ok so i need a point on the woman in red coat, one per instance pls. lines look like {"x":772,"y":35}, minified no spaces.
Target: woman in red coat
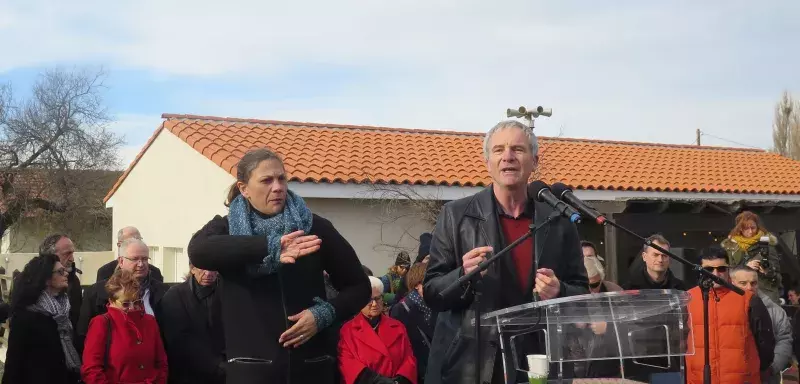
{"x":374,"y":348}
{"x":135,"y":354}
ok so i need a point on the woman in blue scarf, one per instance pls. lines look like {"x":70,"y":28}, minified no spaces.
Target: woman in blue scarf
{"x":271,"y":253}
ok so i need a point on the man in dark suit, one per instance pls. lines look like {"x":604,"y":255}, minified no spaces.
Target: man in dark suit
{"x":471,"y":229}
{"x":134,"y":256}
{"x":192,"y":327}
{"x":104,"y":272}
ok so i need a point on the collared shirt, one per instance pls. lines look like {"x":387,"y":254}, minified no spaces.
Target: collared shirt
{"x":501,"y":212}
{"x":513,"y":228}
{"x":148,"y":309}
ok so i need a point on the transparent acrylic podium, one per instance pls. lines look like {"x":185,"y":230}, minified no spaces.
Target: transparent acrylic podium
{"x":645,"y":328}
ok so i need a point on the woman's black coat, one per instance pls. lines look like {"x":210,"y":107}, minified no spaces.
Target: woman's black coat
{"x":34,"y":353}
{"x":255,"y":310}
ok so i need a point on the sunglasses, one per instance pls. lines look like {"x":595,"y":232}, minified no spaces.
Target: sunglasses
{"x":131,"y":304}
{"x":720,"y":269}
{"x":595,"y":285}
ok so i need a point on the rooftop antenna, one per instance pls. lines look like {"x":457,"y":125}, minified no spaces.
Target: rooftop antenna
{"x":529,"y":114}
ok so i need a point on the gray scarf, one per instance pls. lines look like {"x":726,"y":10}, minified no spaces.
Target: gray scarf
{"x":58,"y":308}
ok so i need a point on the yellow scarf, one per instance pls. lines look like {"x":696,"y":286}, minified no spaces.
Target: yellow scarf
{"x":746,"y":242}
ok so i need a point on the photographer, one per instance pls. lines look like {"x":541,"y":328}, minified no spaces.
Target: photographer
{"x":749,"y":243}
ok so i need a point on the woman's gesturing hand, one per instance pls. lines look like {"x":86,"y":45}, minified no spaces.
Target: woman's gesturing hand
{"x":304,"y":329}
{"x":295,"y":245}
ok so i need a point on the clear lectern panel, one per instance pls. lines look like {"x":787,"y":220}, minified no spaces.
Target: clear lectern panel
{"x":583,"y":330}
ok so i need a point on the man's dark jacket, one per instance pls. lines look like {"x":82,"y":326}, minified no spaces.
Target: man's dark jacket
{"x":639,"y":279}
{"x":193,"y":336}
{"x":642,"y":369}
{"x":75,"y":295}
{"x":473,"y":222}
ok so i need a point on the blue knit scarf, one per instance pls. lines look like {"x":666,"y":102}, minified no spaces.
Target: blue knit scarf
{"x":243,"y":220}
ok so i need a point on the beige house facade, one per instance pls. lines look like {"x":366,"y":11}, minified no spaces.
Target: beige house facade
{"x":173,"y":190}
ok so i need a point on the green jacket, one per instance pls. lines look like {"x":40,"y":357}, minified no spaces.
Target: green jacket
{"x":769,"y":282}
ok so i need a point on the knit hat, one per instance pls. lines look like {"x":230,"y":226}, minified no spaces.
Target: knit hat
{"x":403,"y":259}
{"x":424,"y":246}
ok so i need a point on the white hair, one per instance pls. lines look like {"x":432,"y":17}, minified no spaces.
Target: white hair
{"x":123,"y":248}
{"x":376,"y":283}
{"x":594,"y":267}
{"x":121,"y":231}
{"x":534,"y":142}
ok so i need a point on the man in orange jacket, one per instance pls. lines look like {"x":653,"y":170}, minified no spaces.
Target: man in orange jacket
{"x":741,"y":341}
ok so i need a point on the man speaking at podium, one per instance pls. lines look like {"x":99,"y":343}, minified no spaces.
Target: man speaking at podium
{"x":468,"y":231}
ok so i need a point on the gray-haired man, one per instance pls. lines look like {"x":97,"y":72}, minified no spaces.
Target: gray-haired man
{"x":746,"y":278}
{"x":123,"y":234}
{"x":134,"y":256}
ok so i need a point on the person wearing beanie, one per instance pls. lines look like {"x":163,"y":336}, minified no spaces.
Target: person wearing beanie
{"x":393,"y":279}
{"x":423,"y":255}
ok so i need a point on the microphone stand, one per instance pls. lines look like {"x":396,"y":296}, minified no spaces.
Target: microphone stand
{"x":474,"y":277}
{"x":706,"y":279}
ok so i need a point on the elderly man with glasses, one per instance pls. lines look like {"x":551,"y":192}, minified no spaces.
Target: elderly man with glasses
{"x":134,"y":256}
{"x":108,"y":269}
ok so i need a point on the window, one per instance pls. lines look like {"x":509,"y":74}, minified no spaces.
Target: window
{"x":155,"y":256}
{"x":172,"y":256}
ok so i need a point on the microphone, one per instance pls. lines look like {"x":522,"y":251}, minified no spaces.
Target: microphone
{"x":565,"y":193}
{"x":541,"y":192}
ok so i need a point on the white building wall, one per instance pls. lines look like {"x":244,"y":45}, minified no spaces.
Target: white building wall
{"x":376,"y":238}
{"x":171,"y":193}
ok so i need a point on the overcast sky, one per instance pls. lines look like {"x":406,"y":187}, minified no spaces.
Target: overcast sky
{"x":621,"y":70}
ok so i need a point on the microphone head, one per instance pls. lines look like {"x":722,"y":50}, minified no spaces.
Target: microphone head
{"x":559,"y":189}
{"x":535,"y":189}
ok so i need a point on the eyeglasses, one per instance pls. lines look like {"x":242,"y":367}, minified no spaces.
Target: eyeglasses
{"x":720,"y":269}
{"x":131,"y":304}
{"x":377,"y":300}
{"x":144,"y":260}
{"x":595,"y":285}
{"x":61,"y":271}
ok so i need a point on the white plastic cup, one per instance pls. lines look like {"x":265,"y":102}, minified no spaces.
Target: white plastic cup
{"x":538,"y":365}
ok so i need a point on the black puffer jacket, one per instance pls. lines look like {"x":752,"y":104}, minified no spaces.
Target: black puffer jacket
{"x":255,"y":309}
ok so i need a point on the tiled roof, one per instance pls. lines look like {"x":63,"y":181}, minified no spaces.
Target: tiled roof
{"x":330,"y":153}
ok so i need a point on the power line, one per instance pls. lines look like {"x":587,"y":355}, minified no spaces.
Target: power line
{"x":727,"y":140}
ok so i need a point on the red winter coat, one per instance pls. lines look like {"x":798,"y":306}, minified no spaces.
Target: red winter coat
{"x":136,"y":354}
{"x":387,"y":352}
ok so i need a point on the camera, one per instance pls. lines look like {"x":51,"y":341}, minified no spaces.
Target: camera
{"x":762,"y":251}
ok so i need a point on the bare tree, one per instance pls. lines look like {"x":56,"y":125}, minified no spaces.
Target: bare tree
{"x":404,"y":207}
{"x":52,"y":146}
{"x":786,"y":127}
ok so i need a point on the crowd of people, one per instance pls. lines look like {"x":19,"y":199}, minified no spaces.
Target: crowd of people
{"x":751,"y":337}
{"x":276,"y":294}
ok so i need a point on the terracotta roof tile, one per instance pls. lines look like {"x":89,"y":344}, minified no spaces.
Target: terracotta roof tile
{"x":331,"y":153}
